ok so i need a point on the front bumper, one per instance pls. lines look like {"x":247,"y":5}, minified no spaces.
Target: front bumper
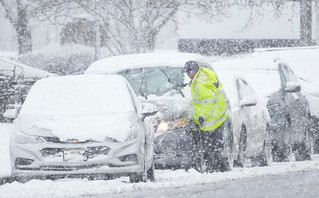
{"x":172,"y":149}
{"x":49,"y":159}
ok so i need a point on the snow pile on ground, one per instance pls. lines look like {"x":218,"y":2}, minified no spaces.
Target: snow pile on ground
{"x":165,"y":180}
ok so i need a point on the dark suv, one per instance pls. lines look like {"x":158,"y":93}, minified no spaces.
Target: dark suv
{"x":289,"y":113}
{"x":274,"y":82}
{"x":158,"y":79}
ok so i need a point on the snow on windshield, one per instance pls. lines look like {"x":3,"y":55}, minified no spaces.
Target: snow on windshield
{"x":154,"y":81}
{"x":84,"y":95}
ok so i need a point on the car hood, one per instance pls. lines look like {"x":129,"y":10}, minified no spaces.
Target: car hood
{"x":98,"y":128}
{"x":172,"y":107}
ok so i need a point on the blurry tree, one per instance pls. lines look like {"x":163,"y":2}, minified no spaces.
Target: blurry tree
{"x":18,"y":13}
{"x":132,"y":25}
{"x":81,"y":31}
{"x":306,"y":22}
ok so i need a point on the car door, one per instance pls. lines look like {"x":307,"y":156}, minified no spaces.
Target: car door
{"x":253,"y":117}
{"x":296,"y":105}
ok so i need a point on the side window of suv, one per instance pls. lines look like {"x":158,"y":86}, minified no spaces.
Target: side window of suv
{"x":244,"y":89}
{"x":286,"y":74}
{"x":282,"y":74}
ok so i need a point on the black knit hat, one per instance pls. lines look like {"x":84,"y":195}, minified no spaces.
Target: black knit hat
{"x":191,"y":67}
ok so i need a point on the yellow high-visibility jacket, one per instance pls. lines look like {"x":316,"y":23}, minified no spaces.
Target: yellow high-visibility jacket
{"x":208,"y":99}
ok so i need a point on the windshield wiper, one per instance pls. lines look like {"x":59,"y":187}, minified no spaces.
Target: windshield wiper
{"x":177,"y":86}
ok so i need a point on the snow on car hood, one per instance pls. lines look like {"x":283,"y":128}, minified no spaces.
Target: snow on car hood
{"x":171,"y":107}
{"x":116,"y":126}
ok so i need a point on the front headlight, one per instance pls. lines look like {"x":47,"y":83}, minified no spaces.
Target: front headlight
{"x":22,"y":138}
{"x":165,"y":126}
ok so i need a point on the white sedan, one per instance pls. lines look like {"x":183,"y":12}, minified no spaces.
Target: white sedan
{"x":250,"y":120}
{"x":83,"y":126}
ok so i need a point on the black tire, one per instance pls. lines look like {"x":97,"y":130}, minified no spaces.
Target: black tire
{"x":137,"y":177}
{"x":242,"y":147}
{"x":283,"y":154}
{"x":304,"y":150}
{"x":265,"y":157}
{"x":225,"y":161}
{"x":150,"y":174}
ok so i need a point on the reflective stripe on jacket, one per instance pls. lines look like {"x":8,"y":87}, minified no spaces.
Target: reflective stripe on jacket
{"x":208,"y":99}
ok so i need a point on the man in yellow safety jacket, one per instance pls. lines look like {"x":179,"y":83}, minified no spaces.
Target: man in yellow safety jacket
{"x":210,"y":112}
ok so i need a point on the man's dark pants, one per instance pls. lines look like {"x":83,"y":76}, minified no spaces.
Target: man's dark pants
{"x":212,"y":148}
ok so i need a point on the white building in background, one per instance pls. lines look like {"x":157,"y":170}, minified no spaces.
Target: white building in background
{"x":287,"y":26}
{"x":188,"y":27}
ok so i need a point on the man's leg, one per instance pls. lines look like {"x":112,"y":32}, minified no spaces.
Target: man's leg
{"x":214,"y":148}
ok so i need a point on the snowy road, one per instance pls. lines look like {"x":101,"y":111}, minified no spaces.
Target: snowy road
{"x":293,"y":185}
{"x":179,"y":183}
{"x":292,"y":178}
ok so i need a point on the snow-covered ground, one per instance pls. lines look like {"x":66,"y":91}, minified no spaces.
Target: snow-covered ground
{"x":165,"y":179}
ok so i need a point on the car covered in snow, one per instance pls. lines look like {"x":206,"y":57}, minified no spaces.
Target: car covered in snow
{"x":157,"y":78}
{"x":250,"y":120}
{"x":274,"y":80}
{"x":15,"y":82}
{"x":83,"y":126}
{"x":304,"y":62}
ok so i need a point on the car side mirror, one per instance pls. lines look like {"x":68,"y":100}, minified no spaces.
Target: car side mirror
{"x":248,"y":101}
{"x":148,"y":110}
{"x":11,"y":114}
{"x":292,"y":87}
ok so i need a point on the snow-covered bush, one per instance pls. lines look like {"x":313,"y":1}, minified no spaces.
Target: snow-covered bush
{"x":61,"y":60}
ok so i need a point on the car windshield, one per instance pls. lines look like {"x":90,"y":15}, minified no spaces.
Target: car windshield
{"x":78,"y":96}
{"x":154,"y":81}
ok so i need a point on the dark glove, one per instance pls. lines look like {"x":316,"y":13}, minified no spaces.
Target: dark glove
{"x":201,"y":120}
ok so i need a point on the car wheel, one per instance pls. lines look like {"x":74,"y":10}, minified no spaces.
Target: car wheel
{"x":226,"y":162}
{"x":150,"y":174}
{"x":23,"y":180}
{"x":265,"y":157}
{"x":137,"y":177}
{"x":240,"y":162}
{"x":284,"y":153}
{"x":304,"y":150}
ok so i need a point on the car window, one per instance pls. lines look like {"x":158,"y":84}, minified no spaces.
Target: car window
{"x":286,"y":74}
{"x":135,"y":78}
{"x":154,"y":81}
{"x":290,"y":75}
{"x":244,"y":89}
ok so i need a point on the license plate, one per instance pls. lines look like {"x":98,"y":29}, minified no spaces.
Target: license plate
{"x":74,"y":155}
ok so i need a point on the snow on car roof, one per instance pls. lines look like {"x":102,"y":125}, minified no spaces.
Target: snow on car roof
{"x":83,"y":107}
{"x":114,"y":64}
{"x":304,"y":63}
{"x":7,"y":67}
{"x":262,"y":75}
{"x":302,"y":60}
